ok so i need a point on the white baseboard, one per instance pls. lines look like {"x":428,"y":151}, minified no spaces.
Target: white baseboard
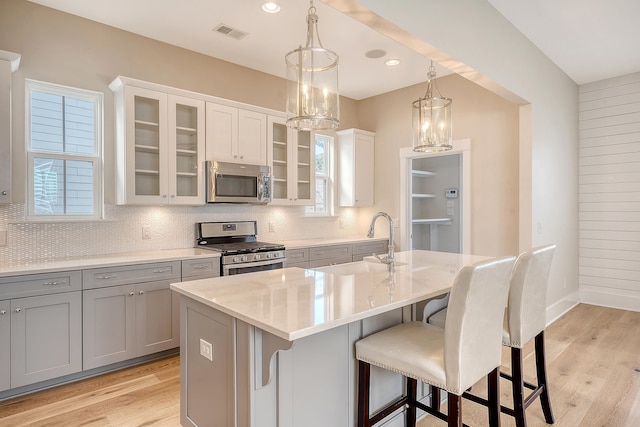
{"x":609,"y":297}
{"x":555,"y":311}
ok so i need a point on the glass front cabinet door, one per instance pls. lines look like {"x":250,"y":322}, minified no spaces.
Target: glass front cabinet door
{"x":291,"y":160}
{"x":159,"y":148}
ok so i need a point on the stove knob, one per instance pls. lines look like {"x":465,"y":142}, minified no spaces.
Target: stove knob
{"x":257,"y":257}
{"x":236,"y":258}
{"x":268,"y":256}
{"x":244,"y":257}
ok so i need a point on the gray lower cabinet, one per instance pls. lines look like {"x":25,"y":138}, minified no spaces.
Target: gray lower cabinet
{"x":297,"y":258}
{"x":40,"y":327}
{"x":193,"y":269}
{"x":364,"y":249}
{"x":5,"y":348}
{"x":46,"y":333}
{"x":321,"y":256}
{"x":129,"y":319}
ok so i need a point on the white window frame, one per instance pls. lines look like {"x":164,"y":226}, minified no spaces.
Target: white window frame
{"x":96,"y":158}
{"x":329,"y":177}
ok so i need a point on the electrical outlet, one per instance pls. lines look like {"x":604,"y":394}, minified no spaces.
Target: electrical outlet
{"x":3,"y":237}
{"x":395,"y":222}
{"x":206,"y":349}
{"x":146,"y":232}
{"x":272,"y":227}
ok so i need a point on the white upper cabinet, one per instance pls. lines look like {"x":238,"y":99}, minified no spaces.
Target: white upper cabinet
{"x":9,"y":63}
{"x":356,"y":167}
{"x":160,"y":147}
{"x":236,"y":135}
{"x":291,"y":161}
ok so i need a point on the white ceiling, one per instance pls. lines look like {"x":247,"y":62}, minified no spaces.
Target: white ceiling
{"x":589,"y":39}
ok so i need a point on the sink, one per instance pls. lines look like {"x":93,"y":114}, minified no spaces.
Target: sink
{"x":358,"y":267}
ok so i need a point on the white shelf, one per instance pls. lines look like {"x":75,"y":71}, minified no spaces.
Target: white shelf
{"x":186,"y":174}
{"x":284,"y":144}
{"x":183,"y":152}
{"x":303,"y":147}
{"x":417,"y":172}
{"x":423,"y":196}
{"x":146,"y":148}
{"x":429,"y":221}
{"x":280,"y":162}
{"x":147,"y":172}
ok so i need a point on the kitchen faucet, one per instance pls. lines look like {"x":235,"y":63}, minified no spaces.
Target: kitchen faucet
{"x":390,"y":259}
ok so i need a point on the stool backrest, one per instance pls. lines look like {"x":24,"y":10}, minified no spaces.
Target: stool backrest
{"x":473,"y":330}
{"x":527,"y":309}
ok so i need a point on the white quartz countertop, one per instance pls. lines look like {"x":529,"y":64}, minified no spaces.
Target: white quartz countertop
{"x":99,"y":261}
{"x":293,"y":303}
{"x":309,"y":243}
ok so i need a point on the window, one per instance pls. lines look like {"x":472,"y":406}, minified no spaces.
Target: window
{"x":324,"y":176}
{"x":64,"y":140}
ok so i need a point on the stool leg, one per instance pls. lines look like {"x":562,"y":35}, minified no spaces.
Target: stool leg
{"x":364,"y":378}
{"x":493,"y":385}
{"x":541,"y":371}
{"x":435,"y":398}
{"x":412,"y":391}
{"x":517,"y":385}
{"x":454,"y":415}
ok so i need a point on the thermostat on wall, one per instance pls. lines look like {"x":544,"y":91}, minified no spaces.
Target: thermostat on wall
{"x":451,"y":193}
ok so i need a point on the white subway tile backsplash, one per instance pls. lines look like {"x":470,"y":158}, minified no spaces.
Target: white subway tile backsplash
{"x":170,"y":228}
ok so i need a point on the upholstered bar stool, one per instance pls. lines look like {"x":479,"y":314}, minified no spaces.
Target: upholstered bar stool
{"x":524,"y":320}
{"x":453,"y":358}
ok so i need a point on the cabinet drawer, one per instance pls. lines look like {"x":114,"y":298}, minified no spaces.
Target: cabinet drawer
{"x":201,"y":268}
{"x":40,"y":284}
{"x":331,"y":261}
{"x":369,"y":248}
{"x":295,"y":256}
{"x":326,"y":252}
{"x":139,"y":273}
{"x":304,"y":264}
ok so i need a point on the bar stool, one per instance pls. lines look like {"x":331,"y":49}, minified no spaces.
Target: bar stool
{"x":525,"y":319}
{"x":453,"y":358}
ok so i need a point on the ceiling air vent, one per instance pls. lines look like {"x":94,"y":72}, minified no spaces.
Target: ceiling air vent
{"x":228,"y":31}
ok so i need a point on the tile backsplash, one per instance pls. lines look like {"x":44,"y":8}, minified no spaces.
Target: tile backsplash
{"x":170,"y":228}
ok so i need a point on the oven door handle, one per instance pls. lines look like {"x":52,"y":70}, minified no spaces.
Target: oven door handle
{"x":228,"y":267}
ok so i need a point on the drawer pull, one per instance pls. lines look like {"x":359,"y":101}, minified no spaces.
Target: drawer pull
{"x":54,"y":283}
{"x":18,"y":310}
{"x":108,"y":276}
{"x":3,"y":312}
{"x":199,"y":267}
{"x":163,"y":270}
{"x":320,"y":252}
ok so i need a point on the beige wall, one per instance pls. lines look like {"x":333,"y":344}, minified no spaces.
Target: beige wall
{"x":489,"y":121}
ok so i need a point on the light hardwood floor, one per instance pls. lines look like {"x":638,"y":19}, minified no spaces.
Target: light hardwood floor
{"x":593,"y":356}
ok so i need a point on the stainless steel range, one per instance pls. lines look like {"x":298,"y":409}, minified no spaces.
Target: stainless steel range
{"x":240,"y":251}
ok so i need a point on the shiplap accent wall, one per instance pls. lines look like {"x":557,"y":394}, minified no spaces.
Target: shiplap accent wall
{"x":609,"y":192}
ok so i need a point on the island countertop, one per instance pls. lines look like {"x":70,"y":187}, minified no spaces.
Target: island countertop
{"x":294,"y":303}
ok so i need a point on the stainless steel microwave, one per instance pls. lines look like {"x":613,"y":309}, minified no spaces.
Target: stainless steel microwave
{"x":237,"y":183}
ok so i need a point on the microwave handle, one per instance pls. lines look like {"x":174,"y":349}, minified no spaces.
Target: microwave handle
{"x":260,"y":187}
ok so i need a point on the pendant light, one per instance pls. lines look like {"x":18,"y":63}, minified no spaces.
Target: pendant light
{"x":312,"y":82}
{"x":432,"y":119}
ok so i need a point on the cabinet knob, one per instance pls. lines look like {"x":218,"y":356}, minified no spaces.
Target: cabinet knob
{"x":131,"y":294}
{"x":173,"y":196}
{"x":164,"y":196}
{"x":141,"y":293}
{"x":4,"y":192}
{"x":242,"y":157}
{"x":18,"y":310}
{"x":3,"y":312}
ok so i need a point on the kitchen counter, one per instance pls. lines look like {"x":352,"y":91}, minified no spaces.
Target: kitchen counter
{"x":99,"y":261}
{"x":277,"y":348}
{"x":310,"y":243}
{"x":294,"y":303}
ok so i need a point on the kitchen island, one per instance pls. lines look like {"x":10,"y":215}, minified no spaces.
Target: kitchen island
{"x":275,"y":348}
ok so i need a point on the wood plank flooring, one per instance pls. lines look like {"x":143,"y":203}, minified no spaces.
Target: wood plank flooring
{"x":593,"y":357}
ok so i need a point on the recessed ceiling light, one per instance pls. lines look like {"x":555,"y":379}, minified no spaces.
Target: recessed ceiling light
{"x":271,"y":7}
{"x":375,"y":53}
{"x":392,"y":62}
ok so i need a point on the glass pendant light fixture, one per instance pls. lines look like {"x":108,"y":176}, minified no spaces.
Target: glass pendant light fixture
{"x":312,"y":82}
{"x":432,"y":119}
